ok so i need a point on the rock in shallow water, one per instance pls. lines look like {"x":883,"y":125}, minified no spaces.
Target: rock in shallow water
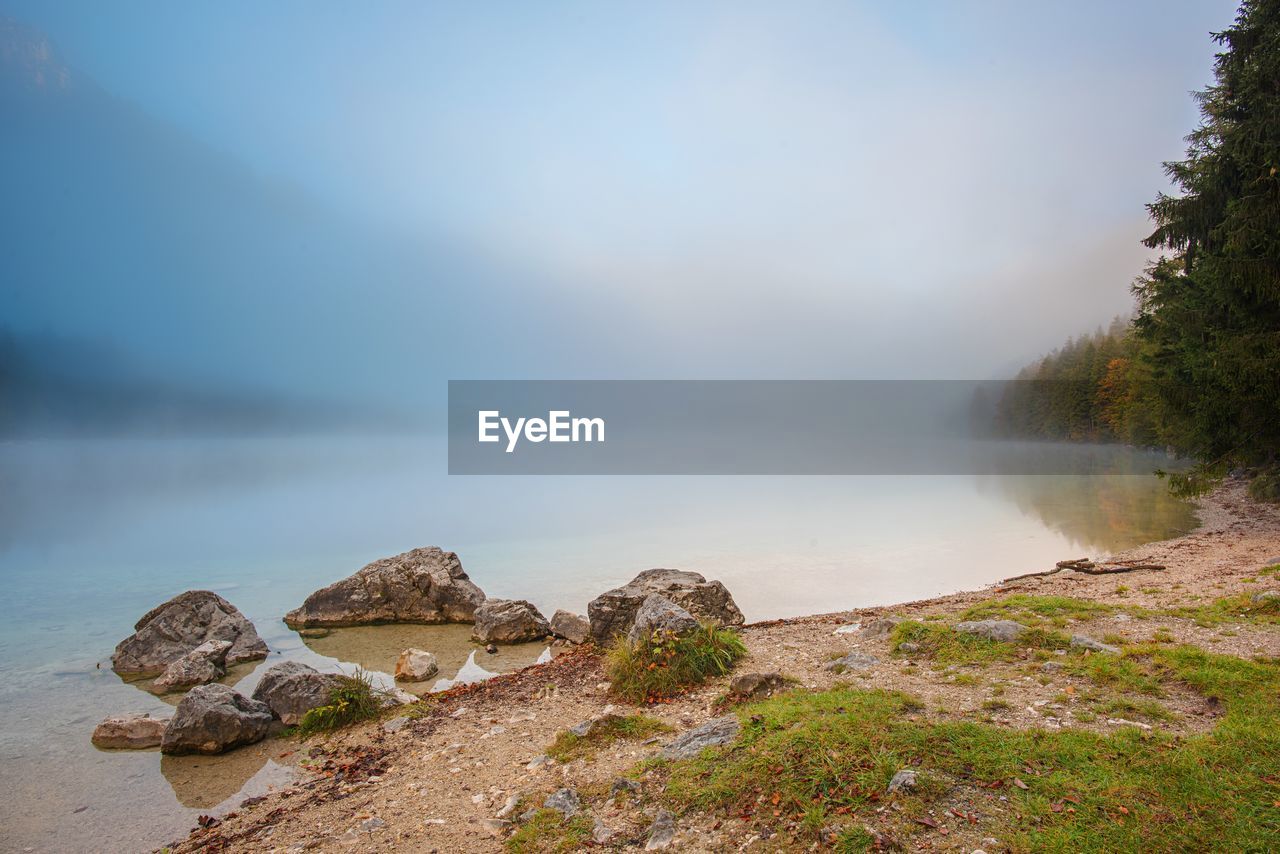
{"x":612,"y":613}
{"x":426,"y":585}
{"x":173,"y":629}
{"x":213,"y":719}
{"x":290,"y":689}
{"x":415,"y":665}
{"x":571,"y":627}
{"x":129,"y":732}
{"x":509,"y":621}
{"x":206,"y":663}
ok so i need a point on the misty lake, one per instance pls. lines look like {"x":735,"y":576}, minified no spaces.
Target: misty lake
{"x":95,"y":533}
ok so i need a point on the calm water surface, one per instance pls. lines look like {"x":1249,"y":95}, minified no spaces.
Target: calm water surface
{"x":95,"y":533}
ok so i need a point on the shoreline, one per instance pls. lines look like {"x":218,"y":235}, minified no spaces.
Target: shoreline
{"x":435,"y":775}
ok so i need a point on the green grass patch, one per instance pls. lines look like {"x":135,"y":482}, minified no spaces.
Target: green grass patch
{"x":947,"y":646}
{"x":1231,"y":609}
{"x":1031,"y":610}
{"x":662,"y":666}
{"x":353,"y":699}
{"x":824,"y":759}
{"x":549,"y":832}
{"x":569,"y":746}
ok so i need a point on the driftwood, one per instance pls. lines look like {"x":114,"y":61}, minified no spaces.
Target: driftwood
{"x":1088,"y":567}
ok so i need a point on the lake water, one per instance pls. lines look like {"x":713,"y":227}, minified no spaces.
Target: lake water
{"x":95,"y":533}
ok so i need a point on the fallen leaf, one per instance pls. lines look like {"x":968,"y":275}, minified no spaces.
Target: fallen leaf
{"x":1020,"y":784}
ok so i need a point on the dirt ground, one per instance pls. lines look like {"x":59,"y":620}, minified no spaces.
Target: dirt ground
{"x":438,"y":780}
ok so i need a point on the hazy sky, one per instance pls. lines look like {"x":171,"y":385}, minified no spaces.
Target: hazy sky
{"x":729,"y":189}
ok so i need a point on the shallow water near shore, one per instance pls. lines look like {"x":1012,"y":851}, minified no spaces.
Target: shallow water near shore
{"x":95,"y":533}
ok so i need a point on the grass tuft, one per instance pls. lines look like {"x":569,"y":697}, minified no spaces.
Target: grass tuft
{"x":569,"y":746}
{"x":352,"y":700}
{"x":549,"y":832}
{"x":663,"y":665}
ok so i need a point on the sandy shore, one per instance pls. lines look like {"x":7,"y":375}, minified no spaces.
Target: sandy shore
{"x":431,"y":782}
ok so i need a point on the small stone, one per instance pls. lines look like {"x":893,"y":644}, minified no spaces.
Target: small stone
{"x":661,"y":832}
{"x":416,"y":665}
{"x":622,"y":784}
{"x":395,"y":724}
{"x":881,"y":627}
{"x":602,"y":834}
{"x":996,"y":630}
{"x":1051,"y":666}
{"x":908,"y":648}
{"x":853,"y":661}
{"x":1266,"y":596}
{"x":509,"y":807}
{"x":904,"y":780}
{"x":369,"y":825}
{"x":491,"y":648}
{"x":753,"y":685}
{"x":528,"y":815}
{"x":1086,"y":642}
{"x":564,"y":801}
{"x":714,"y":732}
{"x":496,"y":826}
{"x":540,"y":761}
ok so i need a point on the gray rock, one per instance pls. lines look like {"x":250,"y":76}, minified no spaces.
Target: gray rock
{"x":509,"y":621}
{"x":996,"y":630}
{"x":564,"y":801}
{"x":584,"y":729}
{"x":752,"y":685}
{"x":1086,"y":642}
{"x":602,"y":834}
{"x":881,"y":627}
{"x":904,"y":780}
{"x":369,"y":825}
{"x":657,"y":613}
{"x":395,"y":724}
{"x":290,"y":689}
{"x":853,"y":661}
{"x":496,"y":826}
{"x":612,"y":613}
{"x":415,"y":665}
{"x":622,"y":784}
{"x":174,"y":628}
{"x":571,"y":627}
{"x":426,"y":585}
{"x":509,"y":807}
{"x":908,"y":648}
{"x":213,"y":719}
{"x":129,"y":732}
{"x":661,"y":832}
{"x":206,"y":663}
{"x":714,"y":732}
{"x":1051,"y":667}
{"x":1265,"y":596}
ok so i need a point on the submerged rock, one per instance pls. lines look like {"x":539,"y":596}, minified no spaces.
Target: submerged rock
{"x":206,"y":663}
{"x":174,"y":628}
{"x":571,"y":627}
{"x":290,"y":689}
{"x":214,"y":719}
{"x":415,"y":665}
{"x":657,"y":613}
{"x":996,"y":630}
{"x":426,"y":585}
{"x":129,"y":732}
{"x":714,"y":732}
{"x":509,"y":621}
{"x":612,"y":613}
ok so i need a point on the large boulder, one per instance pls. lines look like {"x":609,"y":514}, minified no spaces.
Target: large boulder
{"x":570,"y":626}
{"x":213,"y":719}
{"x":509,"y":621}
{"x":612,"y":613}
{"x":426,"y":585}
{"x":206,"y":663}
{"x":129,"y":732}
{"x":657,"y":613}
{"x":290,"y":689}
{"x":170,"y":631}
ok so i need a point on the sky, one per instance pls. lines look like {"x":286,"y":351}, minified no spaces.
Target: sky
{"x":657,"y":190}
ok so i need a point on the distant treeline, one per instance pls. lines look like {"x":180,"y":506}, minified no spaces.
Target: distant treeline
{"x":1198,"y":368}
{"x":1093,"y":389}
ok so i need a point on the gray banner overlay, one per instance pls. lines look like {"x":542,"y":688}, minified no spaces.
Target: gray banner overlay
{"x":699,"y":427}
